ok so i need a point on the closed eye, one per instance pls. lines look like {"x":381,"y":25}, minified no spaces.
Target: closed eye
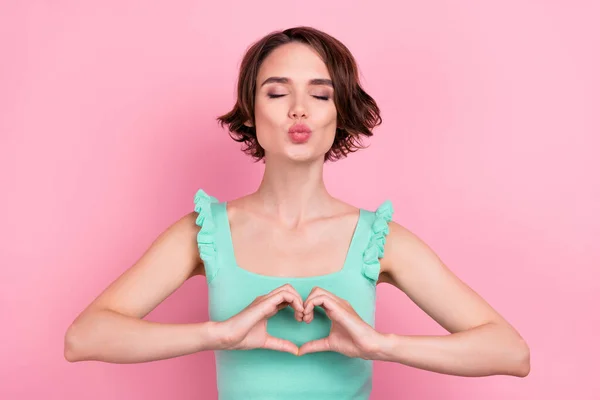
{"x":275,"y":96}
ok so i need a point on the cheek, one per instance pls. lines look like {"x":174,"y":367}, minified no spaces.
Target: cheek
{"x":327,"y":119}
{"x":327,"y":115}
{"x":269,"y":113}
{"x":259,"y":111}
{"x":267,"y":119}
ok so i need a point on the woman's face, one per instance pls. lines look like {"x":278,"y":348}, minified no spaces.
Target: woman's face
{"x":294,"y":93}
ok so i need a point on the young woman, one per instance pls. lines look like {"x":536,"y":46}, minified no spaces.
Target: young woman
{"x":295,"y":256}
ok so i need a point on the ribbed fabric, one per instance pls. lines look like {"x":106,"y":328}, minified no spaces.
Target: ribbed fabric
{"x":266,"y":374}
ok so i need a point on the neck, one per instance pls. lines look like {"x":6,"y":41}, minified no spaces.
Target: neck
{"x":293,"y":191}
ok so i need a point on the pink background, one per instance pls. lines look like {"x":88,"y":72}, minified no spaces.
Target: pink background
{"x":488,"y":151}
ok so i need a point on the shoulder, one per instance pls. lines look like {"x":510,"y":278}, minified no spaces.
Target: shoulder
{"x":188,"y":223}
{"x":177,"y":243}
{"x":186,"y":230}
{"x":345,"y":209}
{"x":398,"y":239}
{"x":404,"y":251}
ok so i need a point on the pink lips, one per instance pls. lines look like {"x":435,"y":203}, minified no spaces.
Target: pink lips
{"x":299,"y":133}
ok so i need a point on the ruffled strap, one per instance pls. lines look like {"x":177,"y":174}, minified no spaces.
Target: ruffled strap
{"x":378,"y":235}
{"x":206,"y":235}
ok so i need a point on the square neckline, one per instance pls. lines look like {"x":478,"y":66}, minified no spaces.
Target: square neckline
{"x":231,"y":259}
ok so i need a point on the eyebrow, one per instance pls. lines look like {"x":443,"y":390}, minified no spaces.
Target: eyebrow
{"x":283,"y":80}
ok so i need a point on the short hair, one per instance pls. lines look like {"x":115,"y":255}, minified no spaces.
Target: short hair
{"x":357,"y":111}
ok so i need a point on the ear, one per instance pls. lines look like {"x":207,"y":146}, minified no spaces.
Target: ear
{"x":248,"y":124}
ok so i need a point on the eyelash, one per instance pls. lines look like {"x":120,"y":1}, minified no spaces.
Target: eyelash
{"x":275,"y":96}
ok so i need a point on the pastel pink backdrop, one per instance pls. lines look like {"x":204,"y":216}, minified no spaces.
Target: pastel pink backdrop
{"x":488,"y":151}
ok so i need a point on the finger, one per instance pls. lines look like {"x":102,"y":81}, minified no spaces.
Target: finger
{"x":309,"y":305}
{"x":296,"y":304}
{"x":274,"y":343}
{"x":287,"y":287}
{"x":314,"y":346}
{"x":264,"y":307}
{"x":270,"y":305}
{"x":331,"y":306}
{"x":267,"y":307}
{"x":317,"y":291}
{"x":297,"y":313}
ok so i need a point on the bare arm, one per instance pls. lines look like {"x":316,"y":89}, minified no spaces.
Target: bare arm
{"x":480,"y":342}
{"x":112,"y":328}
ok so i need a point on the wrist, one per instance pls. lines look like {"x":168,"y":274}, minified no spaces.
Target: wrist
{"x":386,"y":344}
{"x":212,"y":336}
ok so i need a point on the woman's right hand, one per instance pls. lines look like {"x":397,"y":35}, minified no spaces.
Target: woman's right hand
{"x":248,"y":329}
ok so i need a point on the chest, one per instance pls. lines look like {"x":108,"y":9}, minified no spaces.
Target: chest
{"x":317,"y":248}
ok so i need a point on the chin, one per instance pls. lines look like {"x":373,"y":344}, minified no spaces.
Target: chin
{"x":302,"y":154}
{"x":299,"y":156}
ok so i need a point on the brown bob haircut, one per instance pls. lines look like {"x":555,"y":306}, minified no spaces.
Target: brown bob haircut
{"x":357,"y":112}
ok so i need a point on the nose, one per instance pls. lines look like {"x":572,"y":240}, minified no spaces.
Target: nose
{"x":297,"y":109}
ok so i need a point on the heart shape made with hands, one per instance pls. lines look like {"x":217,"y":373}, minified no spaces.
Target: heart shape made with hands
{"x":328,"y":323}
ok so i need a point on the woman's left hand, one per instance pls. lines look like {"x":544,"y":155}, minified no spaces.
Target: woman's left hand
{"x":349,"y":334}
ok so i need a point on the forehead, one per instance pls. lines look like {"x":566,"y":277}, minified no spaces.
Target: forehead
{"x":296,"y":61}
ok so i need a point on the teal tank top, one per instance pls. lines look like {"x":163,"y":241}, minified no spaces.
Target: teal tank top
{"x":266,"y":374}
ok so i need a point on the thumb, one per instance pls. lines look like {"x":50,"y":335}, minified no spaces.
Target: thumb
{"x":277,"y":344}
{"x":314,"y":346}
